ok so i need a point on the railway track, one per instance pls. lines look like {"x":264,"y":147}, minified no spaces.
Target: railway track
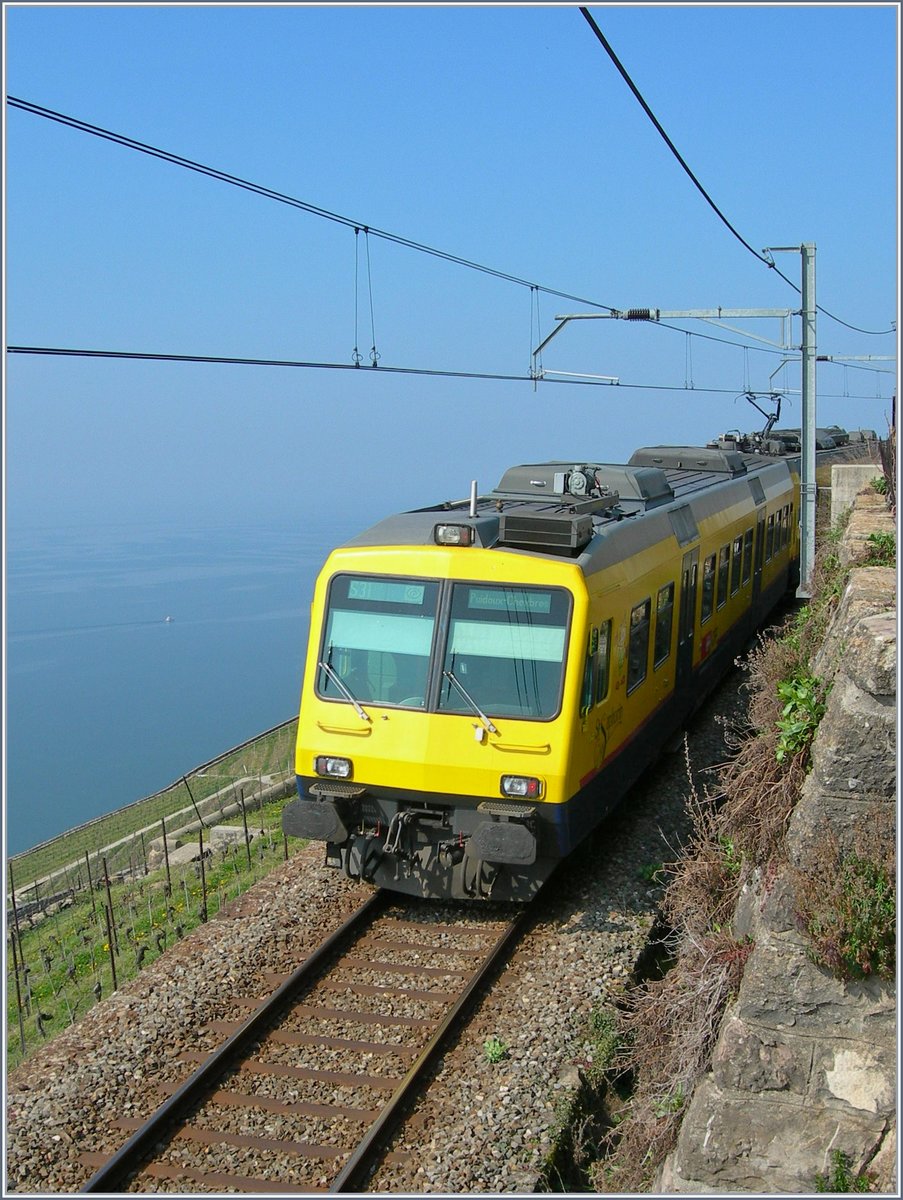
{"x":303,"y":1092}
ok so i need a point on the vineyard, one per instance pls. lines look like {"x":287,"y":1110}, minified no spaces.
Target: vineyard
{"x":89,"y":909}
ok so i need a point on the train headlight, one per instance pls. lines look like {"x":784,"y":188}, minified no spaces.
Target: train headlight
{"x":453,"y":535}
{"x":523,"y":786}
{"x":333,"y":768}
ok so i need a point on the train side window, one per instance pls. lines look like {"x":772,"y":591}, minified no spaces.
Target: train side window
{"x":724,"y":563}
{"x":786,"y":524}
{"x":747,"y":555}
{"x":602,"y":662}
{"x":736,"y":564}
{"x":638,"y":651}
{"x":708,"y":589}
{"x":779,"y":531}
{"x":769,"y":539}
{"x":664,"y":621}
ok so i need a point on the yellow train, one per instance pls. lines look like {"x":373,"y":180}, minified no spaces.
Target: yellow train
{"x":485,"y":679}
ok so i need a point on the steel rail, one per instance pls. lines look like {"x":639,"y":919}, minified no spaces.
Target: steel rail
{"x":140,"y":1144}
{"x":352,"y":1176}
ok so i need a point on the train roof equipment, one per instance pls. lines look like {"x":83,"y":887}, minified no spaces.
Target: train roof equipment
{"x":559,"y":507}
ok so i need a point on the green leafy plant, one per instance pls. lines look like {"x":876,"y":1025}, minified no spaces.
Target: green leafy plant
{"x":652,"y":872}
{"x":803,"y":708}
{"x":852,"y":922}
{"x":672,"y":1103}
{"x":841,"y":1178}
{"x":882,"y":550}
{"x":733,"y":859}
{"x":879,"y":483}
{"x":495,"y":1050}
{"x":604,"y":1043}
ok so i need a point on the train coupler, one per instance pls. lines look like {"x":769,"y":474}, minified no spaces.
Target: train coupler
{"x":396,"y":841}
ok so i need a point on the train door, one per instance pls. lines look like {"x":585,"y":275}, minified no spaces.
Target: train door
{"x":759,"y":557}
{"x":687,"y":620}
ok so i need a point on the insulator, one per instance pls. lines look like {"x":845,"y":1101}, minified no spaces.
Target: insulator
{"x":640,"y":314}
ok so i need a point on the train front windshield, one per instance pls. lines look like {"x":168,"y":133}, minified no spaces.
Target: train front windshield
{"x":447,"y":647}
{"x":505,"y":647}
{"x":378,"y":640}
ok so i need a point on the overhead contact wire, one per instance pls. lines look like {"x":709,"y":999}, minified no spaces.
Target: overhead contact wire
{"x":270,"y":194}
{"x":655,"y":121}
{"x":143,"y":356}
{"x":768,"y":262}
{"x":314,"y":210}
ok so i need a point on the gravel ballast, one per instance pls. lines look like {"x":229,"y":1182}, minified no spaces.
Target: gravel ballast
{"x":484,"y":1126}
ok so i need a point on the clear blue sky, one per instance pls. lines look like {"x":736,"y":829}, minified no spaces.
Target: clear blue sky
{"x":500,"y":134}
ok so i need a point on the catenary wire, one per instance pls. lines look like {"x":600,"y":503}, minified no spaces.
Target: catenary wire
{"x":270,"y":194}
{"x":143,"y":356}
{"x":303,"y":205}
{"x":337,"y":218}
{"x":768,"y":262}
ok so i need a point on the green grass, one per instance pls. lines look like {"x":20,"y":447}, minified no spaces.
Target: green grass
{"x":881,"y":550}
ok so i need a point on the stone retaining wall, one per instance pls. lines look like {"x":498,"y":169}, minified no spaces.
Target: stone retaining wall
{"x":806,"y":1064}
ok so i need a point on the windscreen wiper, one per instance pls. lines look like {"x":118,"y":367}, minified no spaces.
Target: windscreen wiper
{"x":331,"y":674}
{"x":475,"y":708}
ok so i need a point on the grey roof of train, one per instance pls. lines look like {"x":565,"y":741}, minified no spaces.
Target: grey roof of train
{"x":656,"y":483}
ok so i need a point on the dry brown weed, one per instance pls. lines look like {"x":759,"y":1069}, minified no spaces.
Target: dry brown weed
{"x":672,"y":1023}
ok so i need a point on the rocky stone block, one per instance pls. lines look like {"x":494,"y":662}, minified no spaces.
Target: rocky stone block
{"x":884,"y":1165}
{"x":748,"y":913}
{"x":187,"y":854}
{"x":855,"y":751}
{"x":783,"y":990}
{"x":870,"y":591}
{"x":155,"y":855}
{"x":871,"y":656}
{"x":735,"y":1142}
{"x":776,"y":922}
{"x":857,"y":1073}
{"x":845,"y":818}
{"x":864,"y":522}
{"x":758,"y":1059}
{"x":226,"y":835}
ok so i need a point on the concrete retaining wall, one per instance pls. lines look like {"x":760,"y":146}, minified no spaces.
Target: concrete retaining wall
{"x":847,"y":480}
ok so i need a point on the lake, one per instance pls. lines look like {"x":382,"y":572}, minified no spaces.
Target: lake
{"x":135,"y":655}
